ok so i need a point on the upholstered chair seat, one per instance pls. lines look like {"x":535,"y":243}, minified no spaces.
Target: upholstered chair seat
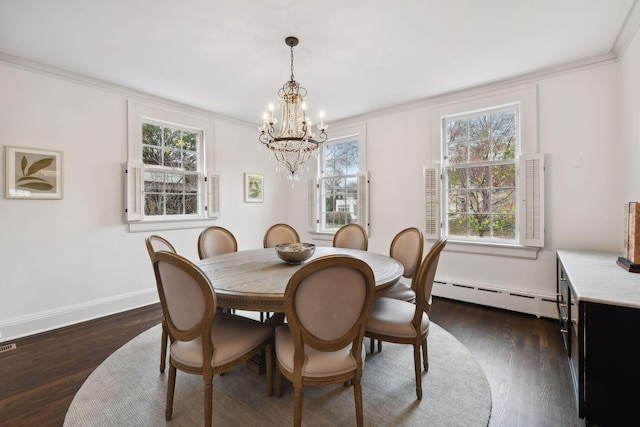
{"x":401,"y":291}
{"x":232,"y":336}
{"x":390,"y":316}
{"x":317,"y":363}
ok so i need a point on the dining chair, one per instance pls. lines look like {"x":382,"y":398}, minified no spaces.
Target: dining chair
{"x":203,"y":341}
{"x":216,"y":240}
{"x":351,"y":236}
{"x":407,"y":248}
{"x":278,"y":234}
{"x":322,"y":343}
{"x":402,"y":322}
{"x":155,"y":244}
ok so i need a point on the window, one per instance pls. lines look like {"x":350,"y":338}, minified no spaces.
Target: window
{"x":167,"y":181}
{"x":172,"y":179}
{"x":488,"y":186}
{"x":339,"y":193}
{"x":479,"y":179}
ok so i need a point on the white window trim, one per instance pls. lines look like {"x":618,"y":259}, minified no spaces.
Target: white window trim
{"x":137,"y":112}
{"x":363,"y":180}
{"x":527,"y":96}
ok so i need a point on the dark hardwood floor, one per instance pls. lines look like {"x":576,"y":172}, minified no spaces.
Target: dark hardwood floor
{"x":522,"y":356}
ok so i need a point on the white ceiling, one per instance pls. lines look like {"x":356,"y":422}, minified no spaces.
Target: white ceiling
{"x":354,"y":56}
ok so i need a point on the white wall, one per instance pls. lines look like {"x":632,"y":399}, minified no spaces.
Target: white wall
{"x":578,"y":121}
{"x":70,"y":260}
{"x":629,"y":87}
{"x":64,"y":261}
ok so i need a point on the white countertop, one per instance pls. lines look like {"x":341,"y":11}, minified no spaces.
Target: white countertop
{"x":595,"y":277}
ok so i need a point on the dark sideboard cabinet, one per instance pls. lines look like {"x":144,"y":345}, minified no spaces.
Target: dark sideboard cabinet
{"x":599,"y":311}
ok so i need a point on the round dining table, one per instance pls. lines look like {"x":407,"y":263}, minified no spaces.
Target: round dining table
{"x":256,"y":279}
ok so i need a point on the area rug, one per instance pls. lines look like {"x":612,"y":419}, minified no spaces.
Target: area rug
{"x":128,"y":389}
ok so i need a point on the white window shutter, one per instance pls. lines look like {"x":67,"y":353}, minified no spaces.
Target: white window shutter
{"x":134,"y":203}
{"x":431,"y":174}
{"x":363,"y":201}
{"x":312,"y":205}
{"x":213,"y":195}
{"x":532,"y":208}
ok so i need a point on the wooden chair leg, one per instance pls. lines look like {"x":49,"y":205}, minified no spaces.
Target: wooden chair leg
{"x":425,"y":355}
{"x":269,"y":353}
{"x":379,"y":346}
{"x":297,"y":402}
{"x":208,"y":400}
{"x":418,"y":368}
{"x":163,"y":346}
{"x":278,"y":382}
{"x":171,"y":385}
{"x":357,"y":394}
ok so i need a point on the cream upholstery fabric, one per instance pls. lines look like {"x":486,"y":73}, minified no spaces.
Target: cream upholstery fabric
{"x":239,"y":335}
{"x":390,"y":316}
{"x":317,"y":363}
{"x":351,"y":236}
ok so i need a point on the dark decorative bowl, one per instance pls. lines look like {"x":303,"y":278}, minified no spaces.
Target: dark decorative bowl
{"x":295,"y":253}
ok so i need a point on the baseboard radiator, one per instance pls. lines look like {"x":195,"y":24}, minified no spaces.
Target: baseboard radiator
{"x":523,"y":302}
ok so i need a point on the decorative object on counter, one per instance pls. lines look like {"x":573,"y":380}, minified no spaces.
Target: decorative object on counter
{"x":294,"y":144}
{"x":628,"y":265}
{"x":295,"y":253}
{"x":632,"y":232}
{"x":32,"y":173}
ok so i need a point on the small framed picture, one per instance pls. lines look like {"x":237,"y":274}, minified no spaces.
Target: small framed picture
{"x":253,"y":188}
{"x":33,"y":173}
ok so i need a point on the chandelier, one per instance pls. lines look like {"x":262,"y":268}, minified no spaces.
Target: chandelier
{"x":294,"y":144}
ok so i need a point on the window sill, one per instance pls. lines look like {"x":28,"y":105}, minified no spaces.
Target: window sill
{"x":480,"y":248}
{"x":159,"y":225}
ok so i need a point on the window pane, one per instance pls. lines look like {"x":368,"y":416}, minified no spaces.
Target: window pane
{"x":151,"y":156}
{"x":191,"y":183}
{"x":479,"y":201}
{"x":504,"y":175}
{"x":457,"y":178}
{"x":457,"y":202}
{"x":174,"y":182}
{"x":190,"y":140}
{"x":191,"y":204}
{"x":172,"y":158}
{"x":479,"y":177}
{"x":504,"y":226}
{"x":457,"y":225}
{"x":457,"y":152}
{"x":153,"y":204}
{"x":480,"y":225}
{"x":190,"y":161}
{"x":175,"y":204}
{"x":504,"y":148}
{"x":504,"y":201}
{"x":153,"y":182}
{"x":151,"y":134}
{"x":457,"y":131}
{"x":172,"y":138}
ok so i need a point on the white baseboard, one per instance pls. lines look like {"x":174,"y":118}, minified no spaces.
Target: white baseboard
{"x":21,"y":326}
{"x":523,"y":302}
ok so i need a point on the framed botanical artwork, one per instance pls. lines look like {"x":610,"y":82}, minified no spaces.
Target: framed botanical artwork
{"x":253,"y":188}
{"x":33,"y":173}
